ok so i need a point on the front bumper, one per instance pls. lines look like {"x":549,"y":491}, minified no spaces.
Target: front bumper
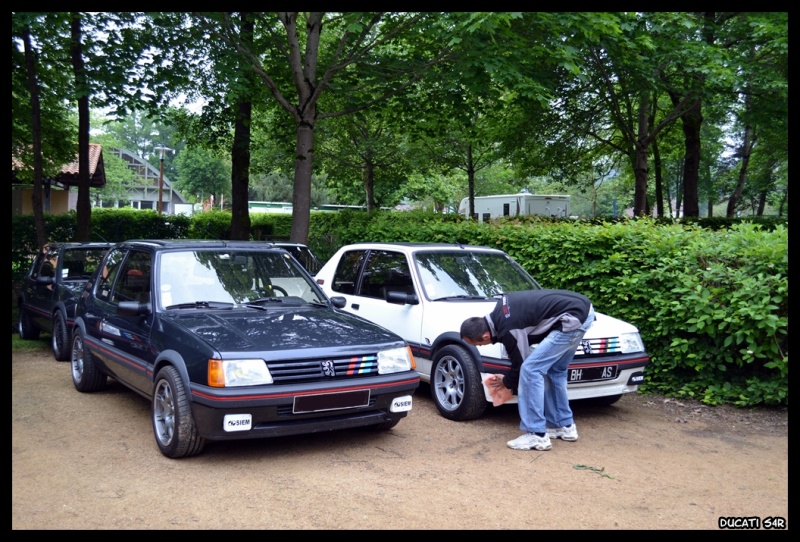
{"x":272,"y":409}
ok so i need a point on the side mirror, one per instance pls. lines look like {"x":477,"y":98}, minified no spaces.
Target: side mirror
{"x":401,"y":298}
{"x":134,"y":308}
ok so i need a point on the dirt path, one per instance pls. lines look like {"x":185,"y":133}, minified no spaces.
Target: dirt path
{"x":89,"y":461}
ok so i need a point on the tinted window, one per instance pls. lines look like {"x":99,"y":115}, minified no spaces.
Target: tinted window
{"x":81,"y":263}
{"x":344,"y":280}
{"x":108,"y":275}
{"x":386,"y":271}
{"x":133,"y":282}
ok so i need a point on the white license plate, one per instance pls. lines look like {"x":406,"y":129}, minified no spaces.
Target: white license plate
{"x":401,"y":404}
{"x":237,"y":422}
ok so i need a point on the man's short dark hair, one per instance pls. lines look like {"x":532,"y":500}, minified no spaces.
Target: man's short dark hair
{"x":473,"y":328}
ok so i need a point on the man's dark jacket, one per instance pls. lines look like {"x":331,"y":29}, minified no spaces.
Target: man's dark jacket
{"x":521,"y":319}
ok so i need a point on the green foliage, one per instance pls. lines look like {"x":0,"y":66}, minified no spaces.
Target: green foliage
{"x":202,"y":172}
{"x":115,"y":225}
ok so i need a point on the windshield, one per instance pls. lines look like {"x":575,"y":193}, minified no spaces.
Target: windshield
{"x":202,"y":277}
{"x":470,"y":274}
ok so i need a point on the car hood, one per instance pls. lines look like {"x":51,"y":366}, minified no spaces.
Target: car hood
{"x":274,"y":330}
{"x":608,"y":326}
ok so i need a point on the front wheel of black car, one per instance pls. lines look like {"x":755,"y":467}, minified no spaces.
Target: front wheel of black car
{"x":86,"y":376}
{"x":173,"y":425}
{"x":456,"y":385}
{"x":60,"y":340}
{"x":25,"y":327}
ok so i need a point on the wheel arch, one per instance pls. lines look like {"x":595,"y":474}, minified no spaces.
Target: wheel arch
{"x":174,"y":359}
{"x":79,"y":324}
{"x":451,"y":337}
{"x":60,"y":307}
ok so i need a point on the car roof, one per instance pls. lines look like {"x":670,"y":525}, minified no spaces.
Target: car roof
{"x":75,"y":244}
{"x":410,"y":247}
{"x":195,"y":243}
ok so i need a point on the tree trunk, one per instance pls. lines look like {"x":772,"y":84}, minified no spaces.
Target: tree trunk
{"x":36,"y":132}
{"x":471,"y":181}
{"x":368,"y":173}
{"x":301,"y":197}
{"x":762,"y":203}
{"x":691,"y":121}
{"x":746,"y":150}
{"x":84,"y":205}
{"x":240,"y":172}
{"x":240,"y":151}
{"x":640,"y":159}
{"x":659,"y":180}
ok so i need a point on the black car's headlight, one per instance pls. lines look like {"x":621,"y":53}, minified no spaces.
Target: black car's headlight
{"x":226,"y":373}
{"x":395,"y":360}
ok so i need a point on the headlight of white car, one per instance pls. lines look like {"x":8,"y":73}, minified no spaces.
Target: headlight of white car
{"x":238,"y":372}
{"x":395,"y":360}
{"x":630,"y":342}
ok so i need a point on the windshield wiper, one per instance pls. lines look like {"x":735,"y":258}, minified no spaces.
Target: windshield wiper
{"x":256,"y":303}
{"x":267,"y":300}
{"x":202,"y":305}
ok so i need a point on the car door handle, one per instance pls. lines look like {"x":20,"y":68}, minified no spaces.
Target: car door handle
{"x":355,"y":306}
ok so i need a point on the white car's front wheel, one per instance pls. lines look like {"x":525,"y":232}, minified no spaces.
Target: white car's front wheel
{"x":456,"y":385}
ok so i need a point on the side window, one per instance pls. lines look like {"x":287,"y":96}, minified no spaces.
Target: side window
{"x":386,"y":271}
{"x":80,"y":263}
{"x":36,"y":267}
{"x":49,"y":264}
{"x":344,"y":280}
{"x":133,"y":282}
{"x":108,"y":274}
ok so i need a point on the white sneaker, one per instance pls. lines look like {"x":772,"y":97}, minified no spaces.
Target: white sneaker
{"x":568,"y":433}
{"x":530,"y":441}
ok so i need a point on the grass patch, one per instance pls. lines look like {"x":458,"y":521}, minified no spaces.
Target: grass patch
{"x":41,"y":344}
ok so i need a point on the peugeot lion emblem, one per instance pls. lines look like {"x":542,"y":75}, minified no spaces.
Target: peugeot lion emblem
{"x":327,"y":368}
{"x":587,"y":346}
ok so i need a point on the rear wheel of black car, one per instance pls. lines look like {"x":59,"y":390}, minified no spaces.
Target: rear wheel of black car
{"x":60,"y":340}
{"x":456,"y":385}
{"x":26,"y":329}
{"x":173,"y":425}
{"x":86,"y":376}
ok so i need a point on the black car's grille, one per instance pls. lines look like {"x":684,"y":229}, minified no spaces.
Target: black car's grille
{"x":598,"y":347}
{"x":321,"y":369}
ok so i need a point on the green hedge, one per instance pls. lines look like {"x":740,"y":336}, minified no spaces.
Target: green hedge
{"x":711,"y":300}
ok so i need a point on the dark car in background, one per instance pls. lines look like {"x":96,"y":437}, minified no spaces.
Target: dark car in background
{"x":234,"y":340}
{"x":303,"y":255}
{"x":51,"y":288}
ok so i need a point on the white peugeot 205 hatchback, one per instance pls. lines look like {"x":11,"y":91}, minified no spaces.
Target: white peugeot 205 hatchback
{"x":423,"y":292}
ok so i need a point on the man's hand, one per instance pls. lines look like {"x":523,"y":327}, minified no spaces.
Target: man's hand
{"x":497,"y":390}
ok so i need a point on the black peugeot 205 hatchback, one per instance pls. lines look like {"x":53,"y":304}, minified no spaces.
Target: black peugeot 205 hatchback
{"x":234,"y":340}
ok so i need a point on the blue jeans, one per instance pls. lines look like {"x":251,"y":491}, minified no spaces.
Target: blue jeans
{"x":542,"y":391}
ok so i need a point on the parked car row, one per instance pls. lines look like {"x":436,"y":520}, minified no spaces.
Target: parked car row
{"x":236,"y":340}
